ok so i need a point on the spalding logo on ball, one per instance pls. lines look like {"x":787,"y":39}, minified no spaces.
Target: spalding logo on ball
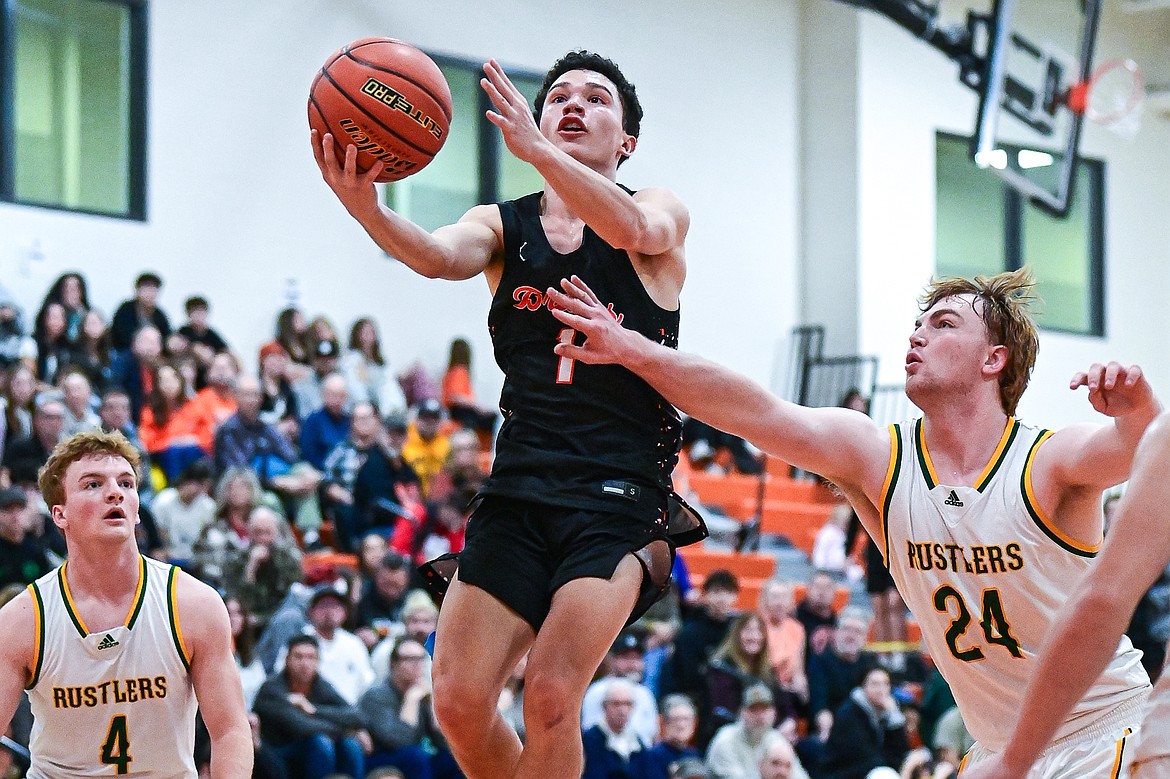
{"x":388,"y":99}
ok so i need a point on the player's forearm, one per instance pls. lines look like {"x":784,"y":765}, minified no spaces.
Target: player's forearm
{"x":408,"y":243}
{"x":1062,"y":676}
{"x":607,"y":208}
{"x":232,"y":754}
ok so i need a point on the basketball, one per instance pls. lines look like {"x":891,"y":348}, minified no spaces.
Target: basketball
{"x":388,"y":99}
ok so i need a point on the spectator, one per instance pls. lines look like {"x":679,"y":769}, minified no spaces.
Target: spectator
{"x":386,"y":500}
{"x":612,"y":746}
{"x":344,"y":661}
{"x":328,"y":426}
{"x":700,"y":634}
{"x":309,"y":388}
{"x":740,"y":661}
{"x":260,"y":573}
{"x":114,"y":413}
{"x":951,"y":740}
{"x":91,"y":353}
{"x":381,"y":606}
{"x":52,"y":347}
{"x":183,"y":511}
{"x":237,"y":493}
{"x":20,"y":391}
{"x":688,"y":768}
{"x":443,"y":530}
{"x":786,"y":639}
{"x":715,"y":451}
{"x":278,"y":406}
{"x":401,"y":717}
{"x":342,"y":466}
{"x":679,"y":723}
{"x":367,"y":376}
{"x":244,"y":441}
{"x":26,"y":455}
{"x":868,"y":731}
{"x":834,"y":673}
{"x":307,"y":722}
{"x":175,"y":429}
{"x":133,"y":371}
{"x":426,"y":447}
{"x":459,"y":395}
{"x":243,"y":629}
{"x":816,"y":613}
{"x":320,"y":329}
{"x":624,"y":661}
{"x":77,"y":395}
{"x":780,"y":761}
{"x":419,"y":618}
{"x":217,"y":398}
{"x":829,"y":551}
{"x":23,"y":558}
{"x":15,"y":344}
{"x":70,"y":293}
{"x":198,"y":337}
{"x":140,"y":311}
{"x":738,"y":748}
{"x":290,"y":337}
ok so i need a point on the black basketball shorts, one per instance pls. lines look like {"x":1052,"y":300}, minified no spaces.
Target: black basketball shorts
{"x":522,"y":552}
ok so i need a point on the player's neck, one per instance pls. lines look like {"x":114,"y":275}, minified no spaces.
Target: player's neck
{"x":553,"y":206}
{"x":961,"y":441}
{"x":102,"y":572}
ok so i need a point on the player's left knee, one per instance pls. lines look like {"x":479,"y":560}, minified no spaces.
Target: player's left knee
{"x":550,"y":700}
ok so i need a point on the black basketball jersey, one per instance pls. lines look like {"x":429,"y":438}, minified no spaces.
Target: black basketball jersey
{"x":587,"y":436}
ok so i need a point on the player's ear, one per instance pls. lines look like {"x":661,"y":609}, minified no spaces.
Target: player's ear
{"x":628,"y":145}
{"x":58,"y":514}
{"x":997,"y":359}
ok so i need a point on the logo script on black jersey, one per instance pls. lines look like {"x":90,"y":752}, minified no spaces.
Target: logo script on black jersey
{"x":533,"y":299}
{"x":953,"y":499}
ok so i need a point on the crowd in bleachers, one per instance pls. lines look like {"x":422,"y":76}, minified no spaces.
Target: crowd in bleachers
{"x":308,"y":492}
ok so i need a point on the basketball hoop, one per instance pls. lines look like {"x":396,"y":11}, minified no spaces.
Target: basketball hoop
{"x":1112,"y":97}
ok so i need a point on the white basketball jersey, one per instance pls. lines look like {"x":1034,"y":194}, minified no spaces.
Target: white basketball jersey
{"x":984,"y":571}
{"x":116,"y":702}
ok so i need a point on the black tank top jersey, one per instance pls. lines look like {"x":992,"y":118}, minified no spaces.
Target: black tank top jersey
{"x":586,"y":436}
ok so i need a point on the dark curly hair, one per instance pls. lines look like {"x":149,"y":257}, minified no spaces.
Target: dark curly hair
{"x":587,"y":60}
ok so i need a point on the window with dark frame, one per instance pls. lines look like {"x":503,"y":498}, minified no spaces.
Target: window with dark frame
{"x":72,"y":105}
{"x":983,"y":226}
{"x":474,"y":166}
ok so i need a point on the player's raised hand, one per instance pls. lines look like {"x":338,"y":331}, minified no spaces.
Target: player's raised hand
{"x":355,"y":190}
{"x":1115,"y":389}
{"x":513,"y":115}
{"x":606,"y":341}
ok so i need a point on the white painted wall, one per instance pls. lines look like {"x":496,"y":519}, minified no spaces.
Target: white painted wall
{"x":236,"y":203}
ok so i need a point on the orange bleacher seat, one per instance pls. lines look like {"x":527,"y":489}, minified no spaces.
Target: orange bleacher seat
{"x":701,"y":561}
{"x":799,"y":521}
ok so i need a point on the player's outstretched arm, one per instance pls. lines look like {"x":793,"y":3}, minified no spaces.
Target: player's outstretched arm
{"x":652,"y":222}
{"x":1135,"y":552}
{"x":840,"y":444}
{"x":1099,"y":456}
{"x":455,"y":252}
{"x":206,"y":631}
{"x":18,"y":624}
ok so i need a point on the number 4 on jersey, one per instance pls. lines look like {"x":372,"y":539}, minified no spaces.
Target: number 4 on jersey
{"x":116,"y":748}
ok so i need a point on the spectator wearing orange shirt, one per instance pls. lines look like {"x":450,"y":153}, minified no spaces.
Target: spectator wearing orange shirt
{"x":458,"y":394}
{"x":786,"y":637}
{"x":175,"y":430}
{"x":218,"y":398}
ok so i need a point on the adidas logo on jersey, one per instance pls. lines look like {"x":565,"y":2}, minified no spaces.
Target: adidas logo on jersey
{"x":953,"y":499}
{"x":108,"y":642}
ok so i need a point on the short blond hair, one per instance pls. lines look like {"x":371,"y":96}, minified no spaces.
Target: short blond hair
{"x":91,"y":443}
{"x":1006,"y":299}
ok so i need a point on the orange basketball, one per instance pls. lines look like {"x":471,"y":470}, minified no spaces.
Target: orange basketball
{"x":387,"y":98}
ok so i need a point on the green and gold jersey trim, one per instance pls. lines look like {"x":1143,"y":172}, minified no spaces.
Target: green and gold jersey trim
{"x":888,"y":485}
{"x":71,"y":609}
{"x":173,"y":614}
{"x":993,"y":463}
{"x":38,"y":635}
{"x":1038,"y":515}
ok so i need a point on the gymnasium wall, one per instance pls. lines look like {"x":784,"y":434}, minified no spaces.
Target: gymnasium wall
{"x":800,"y":133}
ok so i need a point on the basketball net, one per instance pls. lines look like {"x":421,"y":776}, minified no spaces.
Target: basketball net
{"x":1113,"y":97}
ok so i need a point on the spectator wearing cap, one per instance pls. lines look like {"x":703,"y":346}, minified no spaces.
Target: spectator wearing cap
{"x":738,"y":748}
{"x":612,"y":746}
{"x":138,"y":312}
{"x":25,"y":456}
{"x":426,"y":447}
{"x":702,"y":631}
{"x":625,"y":661}
{"x":679,"y":723}
{"x":260,"y":573}
{"x":323,"y":358}
{"x":15,"y":343}
{"x":344,"y":661}
{"x":328,"y":426}
{"x":687,"y":768}
{"x":868,"y":731}
{"x":307,"y":722}
{"x":23,"y":558}
{"x":379,"y":611}
{"x":420,"y":617}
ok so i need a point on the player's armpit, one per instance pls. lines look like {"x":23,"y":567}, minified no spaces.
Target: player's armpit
{"x":18,"y":659}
